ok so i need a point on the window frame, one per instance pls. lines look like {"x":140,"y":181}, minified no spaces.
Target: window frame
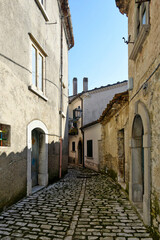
{"x":42,"y":7}
{"x":140,"y":9}
{"x":37,"y":64}
{"x":40,"y":91}
{"x":90,"y":151}
{"x":141,"y":30}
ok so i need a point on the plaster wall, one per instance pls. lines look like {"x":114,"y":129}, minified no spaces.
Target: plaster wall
{"x":110,"y":141}
{"x":93,"y":133}
{"x":95,"y":102}
{"x":19,"y":105}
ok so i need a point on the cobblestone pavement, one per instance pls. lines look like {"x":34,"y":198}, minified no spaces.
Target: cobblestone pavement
{"x":83,"y":205}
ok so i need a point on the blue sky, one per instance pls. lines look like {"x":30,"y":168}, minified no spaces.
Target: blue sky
{"x":99,"y":52}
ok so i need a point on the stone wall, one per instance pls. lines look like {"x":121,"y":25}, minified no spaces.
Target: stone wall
{"x":113,"y":147}
{"x":145,"y":71}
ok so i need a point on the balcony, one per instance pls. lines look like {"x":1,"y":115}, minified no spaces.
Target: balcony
{"x":73,"y":131}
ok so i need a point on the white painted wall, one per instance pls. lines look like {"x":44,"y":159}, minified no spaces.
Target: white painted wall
{"x":92,"y":133}
{"x":95,"y":102}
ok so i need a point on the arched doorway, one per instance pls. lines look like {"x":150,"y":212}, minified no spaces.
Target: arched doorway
{"x":137,"y":160}
{"x":37,"y":155}
{"x":80,"y":152}
{"x":140,"y":169}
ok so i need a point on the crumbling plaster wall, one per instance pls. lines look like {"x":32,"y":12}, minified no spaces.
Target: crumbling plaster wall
{"x":110,"y":142}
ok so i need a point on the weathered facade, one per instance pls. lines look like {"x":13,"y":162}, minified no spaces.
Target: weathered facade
{"x":35,"y":38}
{"x":91,"y":103}
{"x":114,"y":127}
{"x":144,"y":105}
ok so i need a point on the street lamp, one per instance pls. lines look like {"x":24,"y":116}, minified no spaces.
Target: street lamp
{"x":78,"y":113}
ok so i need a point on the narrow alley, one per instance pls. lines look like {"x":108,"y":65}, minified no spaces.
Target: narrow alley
{"x":83,"y":205}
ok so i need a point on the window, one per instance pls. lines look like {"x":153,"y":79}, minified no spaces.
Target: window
{"x":4,"y":135}
{"x":89,"y":148}
{"x":42,"y":6}
{"x":142,"y":16}
{"x":73,"y":146}
{"x":141,"y":27}
{"x":37,"y":68}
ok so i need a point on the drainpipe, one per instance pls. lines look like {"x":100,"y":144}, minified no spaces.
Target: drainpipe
{"x":61,"y":98}
{"x":82,"y":131}
{"x":83,"y":149}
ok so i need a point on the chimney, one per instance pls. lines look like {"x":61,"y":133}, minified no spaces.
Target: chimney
{"x":85,"y":84}
{"x":74,"y":86}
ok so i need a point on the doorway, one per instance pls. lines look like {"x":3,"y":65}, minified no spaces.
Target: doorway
{"x":37,"y":156}
{"x":121,"y":156}
{"x":138,"y":160}
{"x":140,"y":174}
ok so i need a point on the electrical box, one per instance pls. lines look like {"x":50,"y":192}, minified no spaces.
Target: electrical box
{"x":130,"y":83}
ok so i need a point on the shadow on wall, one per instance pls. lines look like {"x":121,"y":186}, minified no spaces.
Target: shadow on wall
{"x":13,"y":177}
{"x":54,"y":151}
{"x":13,"y":170}
{"x":13,"y":173}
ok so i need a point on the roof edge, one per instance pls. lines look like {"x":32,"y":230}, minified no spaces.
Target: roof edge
{"x":95,"y":89}
{"x":89,"y":124}
{"x":123,"y":6}
{"x":116,"y":100}
{"x":64,"y":5}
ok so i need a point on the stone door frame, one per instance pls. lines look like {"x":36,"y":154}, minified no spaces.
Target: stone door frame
{"x":43,"y":171}
{"x":141,"y":110}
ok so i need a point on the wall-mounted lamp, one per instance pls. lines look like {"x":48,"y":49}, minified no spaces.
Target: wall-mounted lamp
{"x":128,"y":41}
{"x":78,"y":112}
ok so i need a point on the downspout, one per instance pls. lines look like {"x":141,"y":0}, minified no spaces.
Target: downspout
{"x":82,"y":132}
{"x":61,"y":98}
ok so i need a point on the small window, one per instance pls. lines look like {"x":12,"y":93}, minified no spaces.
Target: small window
{"x":89,"y":148}
{"x":73,"y":146}
{"x":4,"y":135}
{"x":142,"y":27}
{"x":38,"y":60}
{"x":142,"y":16}
{"x":144,"y":20}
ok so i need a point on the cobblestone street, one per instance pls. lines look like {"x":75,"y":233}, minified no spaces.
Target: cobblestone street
{"x":83,"y":205}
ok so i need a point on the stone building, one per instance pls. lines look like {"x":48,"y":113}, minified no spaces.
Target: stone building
{"x":114,"y":144}
{"x":144,"y":105}
{"x":91,"y":103}
{"x":35,"y":38}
